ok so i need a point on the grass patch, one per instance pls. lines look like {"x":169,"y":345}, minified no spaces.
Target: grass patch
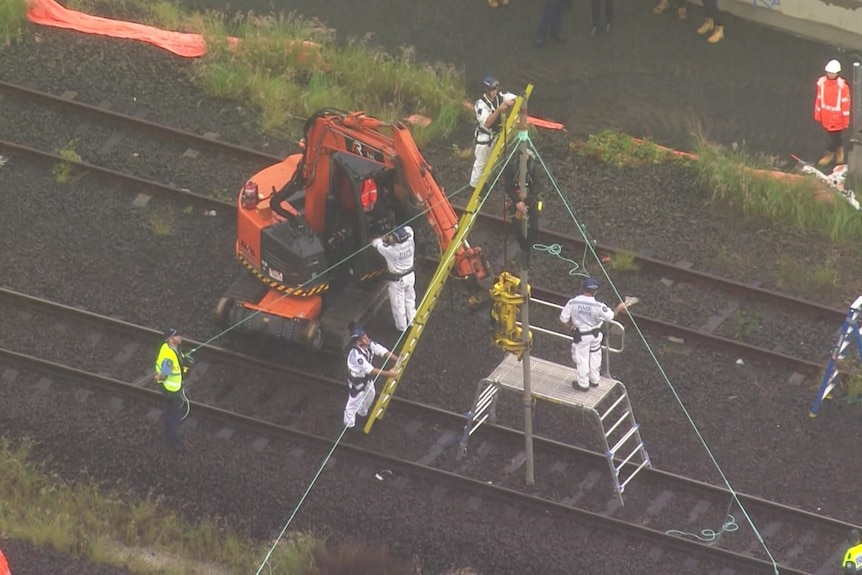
{"x":142,"y":536}
{"x":13,"y":21}
{"x":161,"y":221}
{"x":622,"y":261}
{"x":621,"y":150}
{"x":822,"y":278}
{"x":286,"y":67}
{"x":62,"y":170}
{"x":745,"y":324}
{"x":797,"y":203}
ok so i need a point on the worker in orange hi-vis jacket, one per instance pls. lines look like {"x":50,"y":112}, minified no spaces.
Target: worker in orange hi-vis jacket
{"x":832,"y":110}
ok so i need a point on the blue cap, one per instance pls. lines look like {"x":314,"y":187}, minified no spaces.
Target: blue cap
{"x":591,"y":284}
{"x":490,"y":82}
{"x":356,"y":332}
{"x":400,"y":235}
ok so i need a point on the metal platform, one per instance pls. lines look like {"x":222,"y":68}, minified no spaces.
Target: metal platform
{"x":606,"y":404}
{"x":551,"y":382}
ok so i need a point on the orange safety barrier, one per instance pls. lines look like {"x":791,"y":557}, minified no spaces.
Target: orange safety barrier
{"x":689,"y":156}
{"x":538,"y":122}
{"x":49,"y":13}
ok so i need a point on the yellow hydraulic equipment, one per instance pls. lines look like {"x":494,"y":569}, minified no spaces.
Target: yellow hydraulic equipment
{"x":441,"y":274}
{"x":506,"y":307}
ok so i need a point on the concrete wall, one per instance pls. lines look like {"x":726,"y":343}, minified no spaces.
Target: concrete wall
{"x":835,"y":22}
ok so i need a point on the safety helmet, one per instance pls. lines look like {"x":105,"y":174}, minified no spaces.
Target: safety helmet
{"x":833,"y":67}
{"x":591,"y":284}
{"x":490,"y":83}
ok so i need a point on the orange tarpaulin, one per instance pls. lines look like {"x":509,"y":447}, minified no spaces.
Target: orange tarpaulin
{"x":49,"y":13}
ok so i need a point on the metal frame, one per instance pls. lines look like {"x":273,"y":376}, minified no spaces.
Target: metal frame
{"x":849,"y":334}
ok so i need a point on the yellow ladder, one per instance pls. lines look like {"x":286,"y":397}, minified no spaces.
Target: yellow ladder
{"x":435,"y":286}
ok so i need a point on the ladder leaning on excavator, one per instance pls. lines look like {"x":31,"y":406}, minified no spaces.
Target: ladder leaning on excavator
{"x":441,"y":274}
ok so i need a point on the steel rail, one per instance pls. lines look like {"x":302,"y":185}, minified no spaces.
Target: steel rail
{"x":32,"y":94}
{"x":689,"y":274}
{"x":648,"y":262}
{"x":455,"y":419}
{"x":662,"y":326}
{"x":692,"y":275}
{"x":503,"y":494}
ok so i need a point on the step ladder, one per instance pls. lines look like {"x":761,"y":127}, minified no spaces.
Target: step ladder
{"x":606,"y":404}
{"x":849,"y":334}
{"x":621,"y":436}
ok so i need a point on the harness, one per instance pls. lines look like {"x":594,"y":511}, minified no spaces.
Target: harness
{"x":578,"y":335}
{"x":485,"y":135}
{"x":357,"y":384}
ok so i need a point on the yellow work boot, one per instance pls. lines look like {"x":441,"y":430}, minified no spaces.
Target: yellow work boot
{"x":661,"y":7}
{"x":717,"y":34}
{"x":826,"y":159}
{"x":493,"y":4}
{"x":707,"y":26}
{"x":839,"y":156}
{"x":682,"y":14}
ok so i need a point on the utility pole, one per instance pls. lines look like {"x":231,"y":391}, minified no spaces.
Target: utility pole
{"x":854,"y":158}
{"x":523,"y":137}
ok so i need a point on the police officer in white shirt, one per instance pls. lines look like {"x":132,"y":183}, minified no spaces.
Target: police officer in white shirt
{"x":361,"y":373}
{"x":489,"y":109}
{"x":584,"y":315}
{"x":398,"y":249}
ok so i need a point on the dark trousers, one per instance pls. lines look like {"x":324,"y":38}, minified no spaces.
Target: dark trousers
{"x":527,"y":234}
{"x":552,"y":18}
{"x":597,"y":12}
{"x":173,"y":415}
{"x":836,"y":140}
{"x":710,"y":10}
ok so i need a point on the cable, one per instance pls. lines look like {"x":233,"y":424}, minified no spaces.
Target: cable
{"x":709,"y":535}
{"x":289,"y":521}
{"x":591,"y":248}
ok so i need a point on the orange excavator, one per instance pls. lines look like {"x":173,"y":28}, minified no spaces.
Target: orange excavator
{"x":304,"y":227}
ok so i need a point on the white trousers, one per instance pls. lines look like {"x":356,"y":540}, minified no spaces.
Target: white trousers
{"x":587,"y":355}
{"x":483,"y":152}
{"x":359,"y":405}
{"x":402,"y":300}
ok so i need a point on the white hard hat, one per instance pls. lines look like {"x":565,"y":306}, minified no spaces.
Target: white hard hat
{"x":833,"y":67}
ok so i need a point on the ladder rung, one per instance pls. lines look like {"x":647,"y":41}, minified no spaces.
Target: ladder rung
{"x":630,"y":477}
{"x":625,"y":438}
{"x":611,"y":408}
{"x":632,"y":454}
{"x":478,"y":424}
{"x":615,"y":425}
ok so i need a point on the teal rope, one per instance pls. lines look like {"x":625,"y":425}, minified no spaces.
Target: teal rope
{"x":265,"y":563}
{"x":556,"y":250}
{"x":709,"y":535}
{"x":591,"y":248}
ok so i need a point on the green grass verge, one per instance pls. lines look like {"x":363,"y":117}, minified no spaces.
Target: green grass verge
{"x":798,"y":203}
{"x":745,"y":184}
{"x":113,"y":529}
{"x":13,"y":20}
{"x":286,"y":67}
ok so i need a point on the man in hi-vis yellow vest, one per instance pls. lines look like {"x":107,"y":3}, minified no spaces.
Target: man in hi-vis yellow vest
{"x":170,"y":364}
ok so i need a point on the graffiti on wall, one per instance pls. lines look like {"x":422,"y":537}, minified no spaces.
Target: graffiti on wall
{"x":766,"y":3}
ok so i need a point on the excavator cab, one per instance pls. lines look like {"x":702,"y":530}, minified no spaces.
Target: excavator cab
{"x":358,"y":208}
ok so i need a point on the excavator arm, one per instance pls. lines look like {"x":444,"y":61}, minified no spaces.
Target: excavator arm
{"x":433,"y":201}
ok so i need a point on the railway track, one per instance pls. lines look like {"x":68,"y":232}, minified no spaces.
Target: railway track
{"x":238,"y":393}
{"x":727,"y":307}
